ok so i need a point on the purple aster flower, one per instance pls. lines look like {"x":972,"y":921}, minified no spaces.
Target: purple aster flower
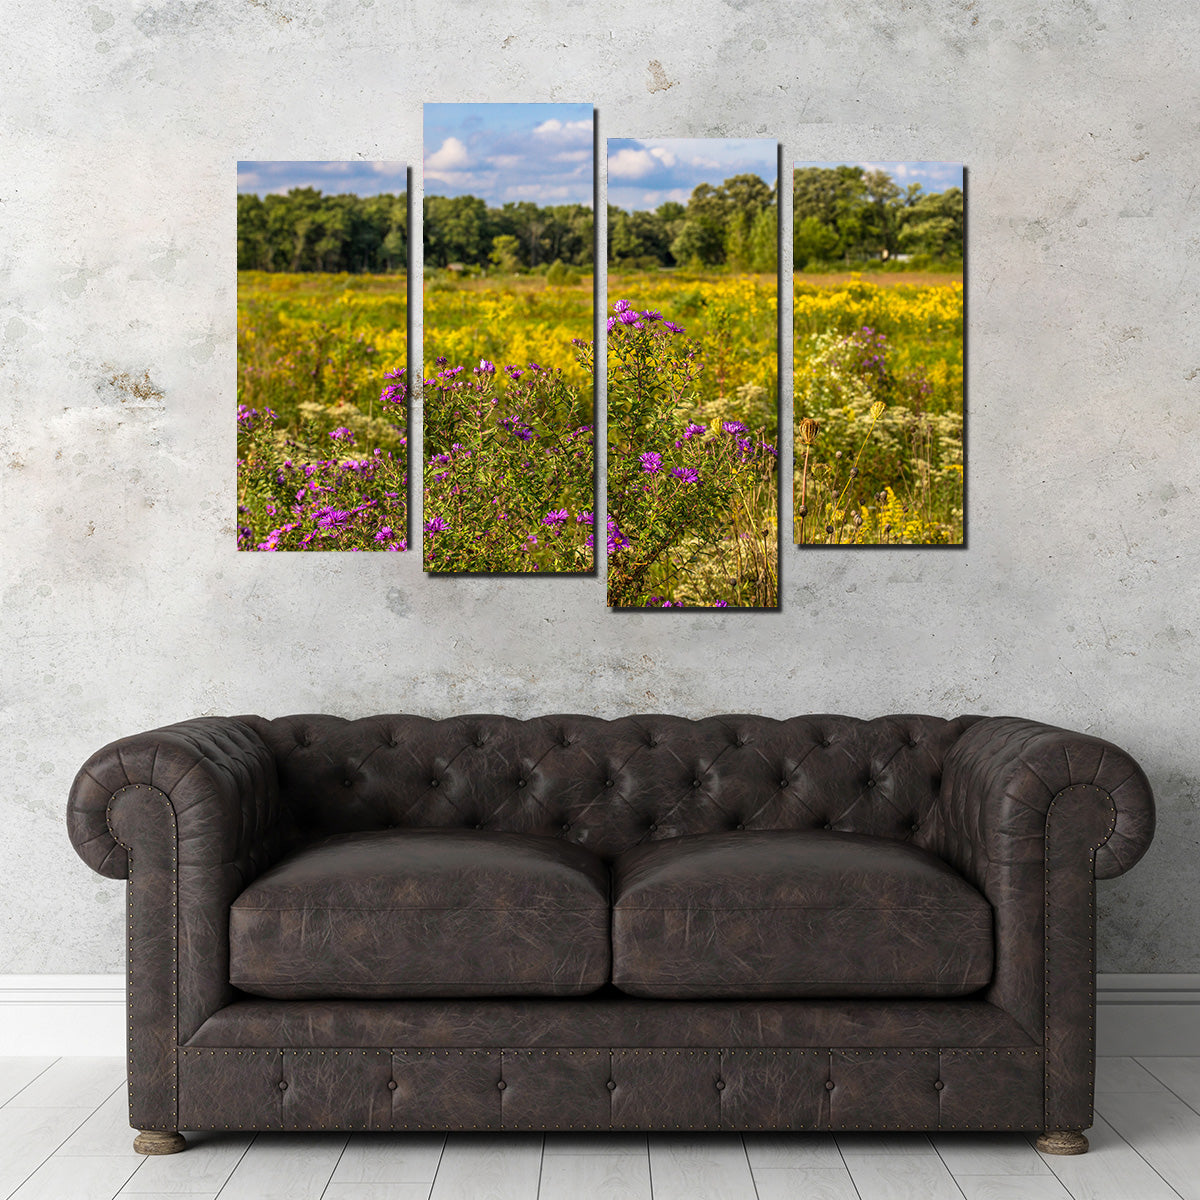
{"x":514,"y":373}
{"x":342,"y":434}
{"x":612,"y":324}
{"x":652,"y":314}
{"x":686,"y":474}
{"x":585,"y":518}
{"x":733,"y":427}
{"x":721,"y":604}
{"x":651,"y":463}
{"x":616,"y":539}
{"x":672,"y":327}
{"x":486,"y":367}
{"x":628,"y":317}
{"x":435,"y":525}
{"x":694,"y":430}
{"x":556,"y":516}
{"x":398,"y":373}
{"x":384,"y":534}
{"x":621,"y":306}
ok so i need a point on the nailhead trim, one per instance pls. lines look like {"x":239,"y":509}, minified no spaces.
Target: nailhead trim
{"x":153,"y":791}
{"x":1112,"y":824}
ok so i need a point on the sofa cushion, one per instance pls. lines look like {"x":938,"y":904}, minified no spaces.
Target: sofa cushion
{"x":404,"y":913}
{"x":785,"y":914}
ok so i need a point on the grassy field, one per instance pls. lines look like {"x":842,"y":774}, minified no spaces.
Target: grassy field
{"x":692,"y":431}
{"x":323,"y":437}
{"x":322,"y":429}
{"x":878,"y":410}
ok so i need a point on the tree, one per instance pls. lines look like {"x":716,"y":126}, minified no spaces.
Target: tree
{"x":505,"y":253}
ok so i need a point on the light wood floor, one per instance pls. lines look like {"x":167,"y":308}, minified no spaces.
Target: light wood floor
{"x":64,"y":1136}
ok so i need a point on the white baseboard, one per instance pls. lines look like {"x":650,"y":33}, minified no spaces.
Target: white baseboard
{"x":85,"y":1014}
{"x":1148,"y":1014}
{"x":62,"y":1014}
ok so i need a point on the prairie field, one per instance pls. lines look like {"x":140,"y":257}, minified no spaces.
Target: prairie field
{"x":322,"y":412}
{"x":878,"y":409}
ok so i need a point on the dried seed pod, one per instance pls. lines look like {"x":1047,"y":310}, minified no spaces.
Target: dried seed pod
{"x":808,"y":430}
{"x":877,"y":410}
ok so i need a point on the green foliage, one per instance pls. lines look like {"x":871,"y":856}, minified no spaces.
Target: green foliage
{"x":308,"y":231}
{"x":464,"y":229}
{"x":734,"y":225}
{"x":855,"y":215}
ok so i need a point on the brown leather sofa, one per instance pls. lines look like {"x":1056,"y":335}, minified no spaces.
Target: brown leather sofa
{"x":569,"y":923}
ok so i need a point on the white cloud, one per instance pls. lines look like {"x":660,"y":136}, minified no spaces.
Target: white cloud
{"x":450,"y":156}
{"x":572,"y":156}
{"x":632,"y":164}
{"x":664,"y":156}
{"x":504,"y":162}
{"x":564,"y":131}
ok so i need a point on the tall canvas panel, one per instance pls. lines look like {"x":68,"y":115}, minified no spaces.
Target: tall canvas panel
{"x":322,"y":317}
{"x":693,"y":413}
{"x":509,"y":476}
{"x":878,"y":354}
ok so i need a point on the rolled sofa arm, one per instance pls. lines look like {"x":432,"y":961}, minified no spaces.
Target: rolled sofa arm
{"x":189,"y":814}
{"x":218,"y":774}
{"x":1004,"y":773}
{"x":1032,"y":816}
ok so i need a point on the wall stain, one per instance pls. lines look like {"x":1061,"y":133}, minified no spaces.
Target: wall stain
{"x":658,"y":81}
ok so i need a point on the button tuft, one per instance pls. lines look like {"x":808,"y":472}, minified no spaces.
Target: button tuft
{"x":611,"y":1085}
{"x":829,"y":1085}
{"x":939,"y":1085}
{"x":392,"y":1085}
{"x":434,"y":782}
{"x":283,"y":1085}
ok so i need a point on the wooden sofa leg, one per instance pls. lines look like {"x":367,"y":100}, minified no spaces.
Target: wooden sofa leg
{"x":1062,"y":1141}
{"x":159,"y":1141}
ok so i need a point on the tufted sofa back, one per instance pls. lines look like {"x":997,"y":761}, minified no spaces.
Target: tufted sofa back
{"x":609,"y":785}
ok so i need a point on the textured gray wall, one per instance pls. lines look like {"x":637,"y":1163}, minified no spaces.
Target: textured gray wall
{"x":126,"y":606}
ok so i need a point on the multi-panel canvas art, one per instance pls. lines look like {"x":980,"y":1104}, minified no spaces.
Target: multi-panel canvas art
{"x":509,"y":230}
{"x":878,"y":354}
{"x":691,"y":345}
{"x":693,"y":412}
{"x":322,"y":318}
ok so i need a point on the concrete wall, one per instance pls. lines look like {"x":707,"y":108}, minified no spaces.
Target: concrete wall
{"x":126,"y":606}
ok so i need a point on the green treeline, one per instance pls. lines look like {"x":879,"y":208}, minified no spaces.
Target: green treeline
{"x":846,"y":214}
{"x":841,"y":215}
{"x":734,"y":225}
{"x":307,"y":231}
{"x":515,"y":237}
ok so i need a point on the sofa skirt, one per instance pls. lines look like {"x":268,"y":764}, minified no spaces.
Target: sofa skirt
{"x":887,"y":1065}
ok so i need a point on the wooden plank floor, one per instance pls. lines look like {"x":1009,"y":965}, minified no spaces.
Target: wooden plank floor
{"x":63,"y":1136}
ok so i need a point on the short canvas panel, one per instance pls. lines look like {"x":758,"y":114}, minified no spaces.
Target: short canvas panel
{"x":508,"y":310}
{"x":878,"y":354}
{"x":693,"y":414}
{"x":322,"y":255}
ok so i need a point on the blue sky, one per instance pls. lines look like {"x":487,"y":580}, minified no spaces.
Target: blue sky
{"x":642,"y":174}
{"x":357,"y":178}
{"x":503,"y":152}
{"x":932,"y":176}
